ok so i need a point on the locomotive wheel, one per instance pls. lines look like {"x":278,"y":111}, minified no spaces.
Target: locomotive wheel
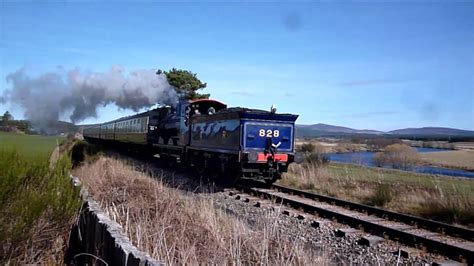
{"x":200,"y":166}
{"x":171,"y":161}
{"x":213,"y":170}
{"x":165,"y":160}
{"x":275,"y":178}
{"x":270,"y":182}
{"x":231,"y":178}
{"x":232,"y":174}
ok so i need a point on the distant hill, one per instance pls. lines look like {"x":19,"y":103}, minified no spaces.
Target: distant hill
{"x":47,"y":128}
{"x":325,"y":130}
{"x":430,"y":131}
{"x":318,"y":130}
{"x":58,"y":127}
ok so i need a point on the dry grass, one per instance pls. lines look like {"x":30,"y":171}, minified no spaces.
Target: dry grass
{"x":332,"y":147}
{"x":429,"y":196}
{"x":46,"y":243}
{"x":319,"y":179}
{"x":185,"y":229}
{"x":458,"y":159}
{"x":464,"y":145}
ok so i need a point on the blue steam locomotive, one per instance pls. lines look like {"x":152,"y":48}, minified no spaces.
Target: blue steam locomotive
{"x":218,"y":142}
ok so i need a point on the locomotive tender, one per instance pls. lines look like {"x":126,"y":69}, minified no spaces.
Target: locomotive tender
{"x":220,"y":142}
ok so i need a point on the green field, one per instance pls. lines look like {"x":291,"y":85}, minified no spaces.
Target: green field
{"x":29,"y":145}
{"x":35,"y":195}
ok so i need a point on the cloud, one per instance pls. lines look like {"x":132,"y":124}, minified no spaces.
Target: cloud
{"x":366,"y":82}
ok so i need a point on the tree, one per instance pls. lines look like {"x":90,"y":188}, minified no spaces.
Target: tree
{"x":186,"y":83}
{"x":381,"y":143}
{"x":7,"y":117}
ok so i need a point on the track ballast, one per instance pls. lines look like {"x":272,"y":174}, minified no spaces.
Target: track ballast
{"x":451,"y":241}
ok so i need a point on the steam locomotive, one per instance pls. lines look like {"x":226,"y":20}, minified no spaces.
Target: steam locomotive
{"x":219,"y":142}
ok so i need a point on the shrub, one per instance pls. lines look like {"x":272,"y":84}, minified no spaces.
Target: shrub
{"x":313,"y":154}
{"x":379,"y":159}
{"x":382,"y":195}
{"x":400,"y":156}
{"x":82,"y":151}
{"x":316,"y":159}
{"x":453,"y":209}
{"x":306,"y":147}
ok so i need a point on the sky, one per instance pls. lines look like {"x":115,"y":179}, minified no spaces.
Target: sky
{"x":379,"y":65}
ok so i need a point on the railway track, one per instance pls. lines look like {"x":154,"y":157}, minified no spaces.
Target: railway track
{"x":451,"y":241}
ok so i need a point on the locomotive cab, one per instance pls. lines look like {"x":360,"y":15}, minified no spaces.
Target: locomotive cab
{"x":204,"y":107}
{"x":173,"y":122}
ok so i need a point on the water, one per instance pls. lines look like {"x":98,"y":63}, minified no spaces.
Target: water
{"x":365,"y":158}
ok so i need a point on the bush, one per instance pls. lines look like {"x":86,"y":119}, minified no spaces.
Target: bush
{"x":306,"y":147}
{"x":455,"y":209}
{"x":82,"y":151}
{"x":382,"y":195}
{"x":399,"y":156}
{"x":316,"y":159}
{"x":313,"y":154}
{"x":379,"y":159}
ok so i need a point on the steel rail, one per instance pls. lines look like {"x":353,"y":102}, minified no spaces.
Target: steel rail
{"x":431,"y":225}
{"x":457,"y":252}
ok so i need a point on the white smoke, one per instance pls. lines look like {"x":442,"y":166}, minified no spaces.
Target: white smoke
{"x":79,"y":93}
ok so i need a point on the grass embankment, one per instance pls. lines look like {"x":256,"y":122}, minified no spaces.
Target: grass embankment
{"x":463,"y":159}
{"x":436,"y":197}
{"x":38,"y":201}
{"x":184,"y":229}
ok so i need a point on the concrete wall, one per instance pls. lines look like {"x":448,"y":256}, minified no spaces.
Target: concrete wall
{"x":96,"y":239}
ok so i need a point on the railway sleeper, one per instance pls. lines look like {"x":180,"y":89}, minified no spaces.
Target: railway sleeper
{"x":343,"y":232}
{"x":370,"y":240}
{"x":461,"y":253}
{"x":447,"y":263}
{"x":431,"y":225}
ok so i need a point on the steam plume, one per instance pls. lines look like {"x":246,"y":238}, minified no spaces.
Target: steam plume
{"x":50,"y":96}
